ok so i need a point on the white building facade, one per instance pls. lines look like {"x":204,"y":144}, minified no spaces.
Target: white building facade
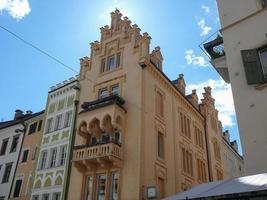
{"x":11,"y":137}
{"x":53,"y":157}
{"x":232,"y":161}
{"x":240,"y":57}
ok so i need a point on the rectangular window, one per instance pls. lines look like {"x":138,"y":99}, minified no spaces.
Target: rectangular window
{"x":111,"y":63}
{"x":58,"y":122}
{"x":14,"y":143}
{"x":17,"y":188}
{"x":103,"y":65}
{"x":7,"y":173}
{"x":49,"y":125}
{"x":263,"y":60}
{"x":201,"y":170}
{"x":67,"y":119}
{"x":32,"y":128}
{"x":56,"y":196}
{"x":25,"y":156}
{"x":115,"y":89}
{"x":60,"y":105}
{"x":114,"y":186}
{"x":160,"y":144}
{"x":187,"y":162}
{"x":45,"y":197}
{"x":101,"y":187}
{"x":63,"y":155}
{"x":159,"y":104}
{"x":185,"y":125}
{"x":43,"y":160}
{"x":40,"y":125}
{"x":4,"y":147}
{"x":103,"y":93}
{"x":35,"y":197}
{"x":53,"y":157}
{"x":89,"y":188}
{"x":118,"y":59}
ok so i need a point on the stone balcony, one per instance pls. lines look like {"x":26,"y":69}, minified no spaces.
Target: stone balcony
{"x":100,"y":115}
{"x":104,"y":155}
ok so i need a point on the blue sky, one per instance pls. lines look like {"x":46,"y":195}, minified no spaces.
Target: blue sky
{"x":65,"y":29}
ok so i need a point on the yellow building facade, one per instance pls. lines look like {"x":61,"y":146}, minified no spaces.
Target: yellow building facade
{"x":23,"y":179}
{"x":138,"y":135}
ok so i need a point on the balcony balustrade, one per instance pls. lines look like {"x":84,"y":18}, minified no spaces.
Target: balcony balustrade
{"x":100,"y":154}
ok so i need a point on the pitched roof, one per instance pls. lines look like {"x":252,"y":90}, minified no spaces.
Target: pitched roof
{"x":22,"y":119}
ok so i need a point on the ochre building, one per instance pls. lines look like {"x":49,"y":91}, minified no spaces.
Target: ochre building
{"x":138,"y":135}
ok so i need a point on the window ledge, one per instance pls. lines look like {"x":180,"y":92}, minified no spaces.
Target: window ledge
{"x":261,"y":86}
{"x":110,"y":71}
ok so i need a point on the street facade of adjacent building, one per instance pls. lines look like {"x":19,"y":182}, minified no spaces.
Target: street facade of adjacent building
{"x":51,"y":171}
{"x":240,"y":57}
{"x":22,"y":184}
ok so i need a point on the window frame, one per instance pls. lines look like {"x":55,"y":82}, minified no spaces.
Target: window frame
{"x":39,"y":128}
{"x":32,"y":128}
{"x":1,"y":150}
{"x":49,"y":125}
{"x":5,"y":178}
{"x":115,"y":86}
{"x":53,"y":158}
{"x":113,"y":183}
{"x":43,"y":159}
{"x":160,"y":145}
{"x":108,"y":67}
{"x":98,"y":185}
{"x":19,"y":190}
{"x":264,"y":71}
{"x":58,"y":122}
{"x":14,"y":146}
{"x":67,"y":119}
{"x":101,"y":90}
{"x":63,"y":155}
{"x":23,"y":154}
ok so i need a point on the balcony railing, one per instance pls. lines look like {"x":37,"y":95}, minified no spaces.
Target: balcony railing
{"x":215,"y":48}
{"x":113,"y":99}
{"x":109,"y":151}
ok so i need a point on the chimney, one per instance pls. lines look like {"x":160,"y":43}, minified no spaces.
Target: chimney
{"x":18,"y":114}
{"x":226,"y":135}
{"x":29,"y":112}
{"x":181,"y":84}
{"x":234,"y":145}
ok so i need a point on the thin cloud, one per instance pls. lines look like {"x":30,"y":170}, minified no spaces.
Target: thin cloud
{"x":206,"y":9}
{"x":222,"y":94}
{"x":203,"y":27}
{"x":193,"y":59}
{"x":15,"y":8}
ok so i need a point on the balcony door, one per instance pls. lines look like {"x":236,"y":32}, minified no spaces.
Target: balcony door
{"x":101,"y":187}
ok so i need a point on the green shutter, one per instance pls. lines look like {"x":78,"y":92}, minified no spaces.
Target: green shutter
{"x":252,"y":66}
{"x":264,"y":3}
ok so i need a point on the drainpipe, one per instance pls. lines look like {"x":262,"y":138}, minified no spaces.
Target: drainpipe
{"x":76,"y":103}
{"x":23,"y":135}
{"x":208,"y":150}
